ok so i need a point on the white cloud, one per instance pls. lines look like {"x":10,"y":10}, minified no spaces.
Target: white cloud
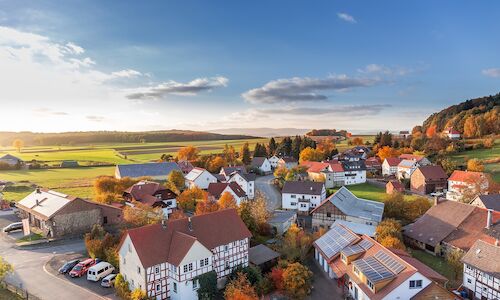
{"x":305,"y":89}
{"x":493,"y":72}
{"x":75,"y":48}
{"x":171,"y":87}
{"x":346,"y":17}
{"x":129,"y":73}
{"x":384,"y":70}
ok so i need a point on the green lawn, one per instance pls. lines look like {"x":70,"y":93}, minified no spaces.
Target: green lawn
{"x":438,"y":264}
{"x":365,"y":191}
{"x":484,"y":155}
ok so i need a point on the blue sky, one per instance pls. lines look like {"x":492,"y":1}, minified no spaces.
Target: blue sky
{"x":200,"y":65}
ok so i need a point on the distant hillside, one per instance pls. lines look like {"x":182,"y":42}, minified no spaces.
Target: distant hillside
{"x":327,"y":132}
{"x":263,"y":132}
{"x":91,"y":137}
{"x":481,"y":115}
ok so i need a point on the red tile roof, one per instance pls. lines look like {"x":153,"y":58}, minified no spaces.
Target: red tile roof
{"x":433,"y":172}
{"x":156,"y":244}
{"x":411,"y":157}
{"x":316,"y":167}
{"x":393,"y":161}
{"x":216,"y":189}
{"x":467,"y":176}
{"x":396,"y":185}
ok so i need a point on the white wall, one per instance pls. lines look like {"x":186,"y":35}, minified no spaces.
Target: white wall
{"x":266,"y":166}
{"x":247,"y":186}
{"x":128,"y":268}
{"x":314,"y":200}
{"x":359,"y":177}
{"x":202,"y":181}
{"x":403,"y":291}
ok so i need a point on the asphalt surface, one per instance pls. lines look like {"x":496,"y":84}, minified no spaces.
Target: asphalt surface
{"x":264,"y":185}
{"x":30,"y":266}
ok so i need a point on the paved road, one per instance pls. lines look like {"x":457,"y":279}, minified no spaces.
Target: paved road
{"x":264,"y":184}
{"x":30,"y":274}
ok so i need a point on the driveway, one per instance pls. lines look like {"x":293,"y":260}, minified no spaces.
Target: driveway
{"x":30,"y":271}
{"x":265,"y":185}
{"x":323,"y":287}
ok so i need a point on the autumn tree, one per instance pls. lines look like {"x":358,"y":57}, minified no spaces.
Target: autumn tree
{"x":454,"y":257}
{"x":405,"y":210}
{"x":297,"y":281}
{"x":245,"y":154}
{"x":357,"y":141}
{"x":392,"y":242}
{"x":176,"y":181}
{"x":142,"y":214}
{"x":121,"y":287}
{"x":280,"y":172}
{"x":189,"y":153}
{"x":229,"y":154}
{"x":18,"y":144}
{"x":296,"y":244}
{"x":177,"y":214}
{"x":431,"y":131}
{"x":206,"y":206}
{"x":215,"y":164}
{"x":5,"y":268}
{"x":109,"y":189}
{"x":188,"y":198}
{"x":475,"y":165}
{"x":277,"y":278}
{"x":327,"y":147}
{"x":227,"y":200}
{"x":138,"y":294}
{"x":386,"y":152}
{"x":310,"y":154}
{"x":240,"y":289}
{"x":388,"y":227}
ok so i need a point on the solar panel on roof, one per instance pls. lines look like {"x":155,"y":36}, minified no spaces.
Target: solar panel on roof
{"x":365,"y":244}
{"x":374,"y":270}
{"x":332,"y":242}
{"x":389,"y":262}
{"x":352,"y":250}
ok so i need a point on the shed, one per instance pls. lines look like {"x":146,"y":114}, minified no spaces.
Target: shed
{"x":263,"y":257}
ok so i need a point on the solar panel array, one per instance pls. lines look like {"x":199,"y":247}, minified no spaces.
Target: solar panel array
{"x":336,"y":239}
{"x":353,"y":249}
{"x":389,"y":262}
{"x":373,"y":269}
{"x":365,"y":244}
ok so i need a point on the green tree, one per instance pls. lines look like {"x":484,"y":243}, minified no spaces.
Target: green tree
{"x":176,"y":181}
{"x":207,"y":286}
{"x":272,"y":146}
{"x":121,"y":287}
{"x":245,"y":154}
{"x":454,"y":257}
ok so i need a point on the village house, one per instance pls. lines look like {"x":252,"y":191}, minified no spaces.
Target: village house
{"x":450,"y":225}
{"x":452,"y":133}
{"x":390,"y":166}
{"x":344,"y":205}
{"x":156,"y":171}
{"x":481,"y":272}
{"x":302,"y":195}
{"x":246,"y":181}
{"x":151,"y":194}
{"x":228,"y":171}
{"x":336,"y":173}
{"x":164,"y":259}
{"x":185,"y":166}
{"x":466,"y":184}
{"x":373,"y":165}
{"x":199,"y":177}
{"x":367,"y":269}
{"x":273,"y":160}
{"x":403,"y":134}
{"x":57,"y":215}
{"x":491,"y":201}
{"x":428,"y":179}
{"x":281,"y":220}
{"x":394,"y":186}
{"x":12,"y":161}
{"x":354,"y":171}
{"x":215,"y":191}
{"x":262,"y":164}
{"x":287,"y":162}
{"x":420,"y":159}
{"x":405,"y":168}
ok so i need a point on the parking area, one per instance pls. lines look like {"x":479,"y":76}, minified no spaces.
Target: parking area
{"x":95,"y":287}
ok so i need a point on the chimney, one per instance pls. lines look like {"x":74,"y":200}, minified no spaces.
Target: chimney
{"x":38,"y":191}
{"x":436,"y":200}
{"x":489,"y":219}
{"x":37,"y":202}
{"x":190,"y":225}
{"x":497,"y":242}
{"x":164,"y":223}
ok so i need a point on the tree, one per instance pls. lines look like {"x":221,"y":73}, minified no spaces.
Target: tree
{"x":470,"y":127}
{"x":189,"y":153}
{"x":310,"y":154}
{"x":448,"y":165}
{"x":475,"y":165}
{"x":229,"y":154}
{"x":259,"y":150}
{"x":176,"y":181}
{"x":188,"y":198}
{"x":215,"y":164}
{"x":245,"y":212}
{"x":431,"y":131}
{"x":138,"y":294}
{"x":5,"y":268}
{"x":454,"y":257}
{"x":205,"y":207}
{"x":121,"y":287}
{"x":296,"y":244}
{"x":416,"y":207}
{"x":272,"y":146}
{"x":280,"y":172}
{"x":392,"y":242}
{"x":260,"y":212}
{"x":227,"y":200}
{"x":142,"y":214}
{"x":245,"y":154}
{"x":208,"y":286}
{"x":18,"y":144}
{"x":240,"y":289}
{"x":297,"y":281}
{"x":386,"y":152}
{"x":177,"y":214}
{"x":388,"y":227}
{"x":277,"y":278}
{"x":357,"y":141}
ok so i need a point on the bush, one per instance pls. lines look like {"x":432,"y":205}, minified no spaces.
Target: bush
{"x":121,"y":287}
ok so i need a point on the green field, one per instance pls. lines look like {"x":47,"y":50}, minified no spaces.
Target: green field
{"x":484,"y":155}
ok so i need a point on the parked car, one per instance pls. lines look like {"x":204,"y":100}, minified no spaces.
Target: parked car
{"x":108,"y":281}
{"x":13,"y":227}
{"x":81,"y":268}
{"x":99,"y":271}
{"x":68,"y":266}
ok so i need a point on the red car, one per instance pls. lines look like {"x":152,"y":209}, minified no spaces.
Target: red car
{"x":81,"y":268}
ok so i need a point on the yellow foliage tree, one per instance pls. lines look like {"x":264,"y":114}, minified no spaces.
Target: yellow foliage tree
{"x":227,"y":200}
{"x":205,"y":207}
{"x":475,"y":165}
{"x":189,"y":153}
{"x":240,"y":289}
{"x":386,"y":152}
{"x":189,"y":197}
{"x":142,"y":214}
{"x":311,"y":154}
{"x":297,"y":281}
{"x":18,"y":144}
{"x":392,"y":242}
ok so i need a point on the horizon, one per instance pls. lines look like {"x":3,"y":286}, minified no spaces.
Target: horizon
{"x":204,"y":67}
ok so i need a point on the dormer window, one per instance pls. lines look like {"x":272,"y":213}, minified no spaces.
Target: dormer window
{"x":370,"y":284}
{"x":343,"y":257}
{"x":355,"y":270}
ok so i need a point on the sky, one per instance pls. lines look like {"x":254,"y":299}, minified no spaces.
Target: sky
{"x":203,"y":65}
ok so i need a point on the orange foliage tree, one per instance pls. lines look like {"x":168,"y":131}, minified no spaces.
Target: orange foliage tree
{"x":357,"y":141}
{"x":189,"y":153}
{"x":190,"y":197}
{"x":386,"y":152}
{"x":431,"y":131}
{"x":240,"y":289}
{"x":227,"y":201}
{"x":215,"y":164}
{"x":297,"y":280}
{"x":205,"y":207}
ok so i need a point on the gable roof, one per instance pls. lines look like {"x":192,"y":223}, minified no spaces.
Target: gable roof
{"x":467,"y":176}
{"x":10,"y":159}
{"x":433,"y":172}
{"x":396,"y":184}
{"x":195,"y":173}
{"x":44,"y":202}
{"x":280,"y":216}
{"x":393,"y":161}
{"x":414,"y":157}
{"x":230,"y":170}
{"x":491,"y":201}
{"x":185,"y":166}
{"x":216,"y":189}
{"x":144,"y":192}
{"x":303,"y":187}
{"x":484,"y":256}
{"x":147,"y":169}
{"x":156,"y":243}
{"x":353,"y":206}
{"x":258,"y":161}
{"x":407,"y":163}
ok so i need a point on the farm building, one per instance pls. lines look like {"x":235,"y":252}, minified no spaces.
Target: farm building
{"x":157,"y":171}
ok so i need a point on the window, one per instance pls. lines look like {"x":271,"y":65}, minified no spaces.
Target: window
{"x":356,"y":271}
{"x":343,"y":258}
{"x":206,"y":261}
{"x":293,"y":203}
{"x":226,"y":247}
{"x":124,"y":260}
{"x":157,"y":270}
{"x":328,"y":215}
{"x":227,"y":264}
{"x":369,"y":284}
{"x":158,"y":287}
{"x":105,"y":220}
{"x":469,"y":280}
{"x":185,"y":268}
{"x":190,"y":267}
{"x":293,"y":196}
{"x":202,"y":262}
{"x":415,"y":284}
{"x":175,"y":287}
{"x":129,"y":248}
{"x":138,"y":270}
{"x":195,"y":284}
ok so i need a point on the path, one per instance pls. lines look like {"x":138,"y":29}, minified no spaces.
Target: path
{"x":265,"y":185}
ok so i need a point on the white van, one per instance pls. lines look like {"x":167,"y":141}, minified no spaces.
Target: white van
{"x":101,"y":270}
